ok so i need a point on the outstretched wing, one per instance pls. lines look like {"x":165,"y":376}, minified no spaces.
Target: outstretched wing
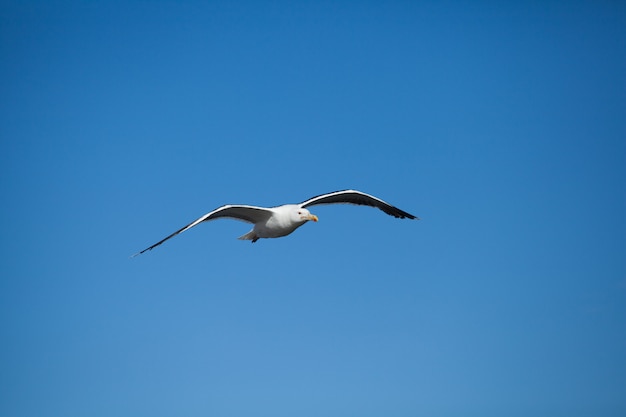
{"x":249,"y":214}
{"x":358,"y":198}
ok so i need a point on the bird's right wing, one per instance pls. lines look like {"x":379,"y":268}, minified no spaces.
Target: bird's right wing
{"x":249,"y":214}
{"x":358,"y":198}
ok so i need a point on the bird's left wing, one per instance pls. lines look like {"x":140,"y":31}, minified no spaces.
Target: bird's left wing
{"x":358,"y":198}
{"x":249,"y":214}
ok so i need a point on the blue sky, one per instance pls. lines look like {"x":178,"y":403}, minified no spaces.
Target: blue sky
{"x":503,"y":126}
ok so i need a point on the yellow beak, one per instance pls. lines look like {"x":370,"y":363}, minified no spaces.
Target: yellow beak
{"x":312,"y":217}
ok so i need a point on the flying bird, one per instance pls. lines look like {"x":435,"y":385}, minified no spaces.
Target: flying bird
{"x":282,"y":220}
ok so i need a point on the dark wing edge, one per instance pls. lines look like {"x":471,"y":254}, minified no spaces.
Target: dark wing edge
{"x":241,"y":213}
{"x":358,"y":198}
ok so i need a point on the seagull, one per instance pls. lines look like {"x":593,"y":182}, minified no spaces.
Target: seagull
{"x":272,"y":222}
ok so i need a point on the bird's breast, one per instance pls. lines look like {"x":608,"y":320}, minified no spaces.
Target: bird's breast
{"x":276,"y":226}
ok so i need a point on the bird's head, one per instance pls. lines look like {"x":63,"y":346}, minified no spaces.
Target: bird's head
{"x":304,"y":215}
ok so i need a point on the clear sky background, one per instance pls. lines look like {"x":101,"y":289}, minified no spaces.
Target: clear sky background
{"x":501,"y":124}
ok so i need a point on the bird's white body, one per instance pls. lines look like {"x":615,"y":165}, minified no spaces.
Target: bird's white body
{"x":283,"y":220}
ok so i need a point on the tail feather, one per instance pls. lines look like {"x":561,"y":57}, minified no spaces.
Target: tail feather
{"x":249,"y":236}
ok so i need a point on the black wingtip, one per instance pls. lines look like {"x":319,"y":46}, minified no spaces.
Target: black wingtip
{"x":147,"y":249}
{"x":138,"y":253}
{"x":399,"y":214}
